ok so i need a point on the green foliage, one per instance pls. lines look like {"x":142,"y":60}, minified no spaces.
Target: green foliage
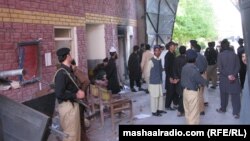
{"x":195,"y":19}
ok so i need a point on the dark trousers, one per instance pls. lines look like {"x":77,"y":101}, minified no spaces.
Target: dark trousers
{"x":242,"y":77}
{"x":180,"y":94}
{"x":171,"y":95}
{"x":132,"y":80}
{"x":235,"y":99}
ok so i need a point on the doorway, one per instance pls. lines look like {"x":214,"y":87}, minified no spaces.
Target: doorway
{"x":96,"y":52}
{"x":125,"y":45}
{"x":122,"y":59}
{"x":122,"y":69}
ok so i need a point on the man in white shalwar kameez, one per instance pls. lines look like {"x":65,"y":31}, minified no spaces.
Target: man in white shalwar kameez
{"x":155,"y":84}
{"x":162,"y":56}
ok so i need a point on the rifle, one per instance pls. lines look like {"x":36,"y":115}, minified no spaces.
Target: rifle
{"x":81,"y":102}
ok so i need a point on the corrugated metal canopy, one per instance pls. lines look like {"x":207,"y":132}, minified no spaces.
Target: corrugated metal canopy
{"x":160,"y":20}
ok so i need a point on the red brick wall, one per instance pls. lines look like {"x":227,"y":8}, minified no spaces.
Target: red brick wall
{"x":67,"y":7}
{"x":18,"y":32}
{"x":117,"y":8}
{"x":135,"y":37}
{"x":120,"y":8}
{"x":110,"y":37}
{"x":82,"y":50}
{"x":12,"y":33}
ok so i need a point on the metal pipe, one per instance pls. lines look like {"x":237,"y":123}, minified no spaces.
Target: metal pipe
{"x":11,"y":73}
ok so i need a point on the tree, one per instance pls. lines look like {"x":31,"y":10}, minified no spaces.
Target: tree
{"x":195,"y":19}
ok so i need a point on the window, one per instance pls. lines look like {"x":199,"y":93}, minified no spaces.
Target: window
{"x":66,"y":37}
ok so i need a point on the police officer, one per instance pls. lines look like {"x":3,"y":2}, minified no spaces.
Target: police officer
{"x":66,"y":92}
{"x":191,"y":83}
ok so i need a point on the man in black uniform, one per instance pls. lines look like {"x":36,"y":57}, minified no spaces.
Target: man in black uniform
{"x":211,"y":56}
{"x":170,"y":85}
{"x":180,"y":61}
{"x":134,"y":69}
{"x":66,"y":92}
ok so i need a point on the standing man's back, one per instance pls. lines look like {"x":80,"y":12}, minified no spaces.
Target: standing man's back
{"x":229,"y":66}
{"x":111,"y":72}
{"x":191,"y":84}
{"x":164,"y":51}
{"x":211,"y":56}
{"x":147,"y":55}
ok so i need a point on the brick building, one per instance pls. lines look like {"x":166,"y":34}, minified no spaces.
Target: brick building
{"x":88,"y":27}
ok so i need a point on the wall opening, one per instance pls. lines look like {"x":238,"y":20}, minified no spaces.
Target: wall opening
{"x":66,"y":37}
{"x":125,"y":45}
{"x":96,"y":50}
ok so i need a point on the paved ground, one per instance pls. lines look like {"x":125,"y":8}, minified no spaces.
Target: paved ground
{"x":141,"y":105}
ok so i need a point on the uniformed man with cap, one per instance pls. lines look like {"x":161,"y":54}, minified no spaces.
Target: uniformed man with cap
{"x":66,"y":93}
{"x":191,"y":84}
{"x":111,"y":72}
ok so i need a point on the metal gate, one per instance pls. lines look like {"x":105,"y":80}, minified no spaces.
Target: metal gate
{"x":20,"y":123}
{"x":245,"y":10}
{"x":160,"y":18}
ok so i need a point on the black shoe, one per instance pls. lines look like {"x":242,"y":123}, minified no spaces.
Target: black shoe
{"x":161,"y":112}
{"x":236,"y":116}
{"x":202,"y":113}
{"x":133,"y":90}
{"x":156,"y":114}
{"x":180,"y":114}
{"x":206,"y":104}
{"x":170,"y":109}
{"x":213,"y":87}
{"x":141,"y":89}
{"x":220,"y":110}
{"x":146,"y":91}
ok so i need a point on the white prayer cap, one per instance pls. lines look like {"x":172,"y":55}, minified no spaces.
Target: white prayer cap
{"x":112,"y":49}
{"x":162,"y":45}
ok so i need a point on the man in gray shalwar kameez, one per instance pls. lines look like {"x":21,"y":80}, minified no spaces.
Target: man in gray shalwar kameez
{"x":229,"y":66}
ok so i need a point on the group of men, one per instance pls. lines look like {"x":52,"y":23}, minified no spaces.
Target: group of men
{"x":185,"y":81}
{"x":178,"y":85}
{"x":188,"y":75}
